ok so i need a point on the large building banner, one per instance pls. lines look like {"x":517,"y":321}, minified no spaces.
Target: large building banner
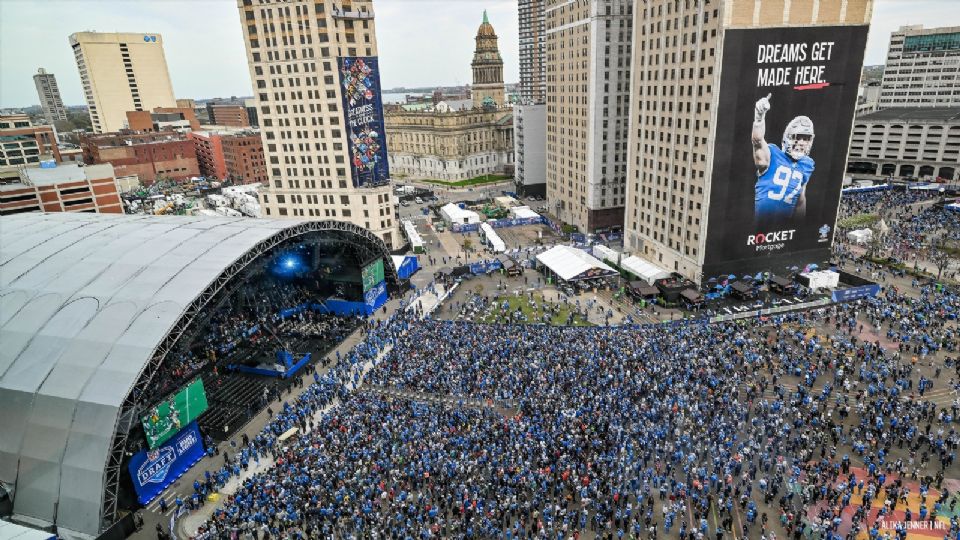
{"x":786,"y":105}
{"x":153,"y":470}
{"x":363,"y":119}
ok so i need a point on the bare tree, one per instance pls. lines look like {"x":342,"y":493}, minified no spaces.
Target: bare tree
{"x":941,"y":254}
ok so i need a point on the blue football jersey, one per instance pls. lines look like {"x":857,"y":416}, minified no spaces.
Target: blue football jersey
{"x":779,"y":187}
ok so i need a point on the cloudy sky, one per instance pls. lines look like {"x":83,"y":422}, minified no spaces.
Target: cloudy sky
{"x":421,"y":42}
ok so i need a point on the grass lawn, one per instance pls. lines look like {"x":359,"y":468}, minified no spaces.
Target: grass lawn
{"x":858,"y":221}
{"x":527,"y":309}
{"x":479,"y":180}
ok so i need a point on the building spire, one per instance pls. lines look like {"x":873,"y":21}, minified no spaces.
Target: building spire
{"x":485,"y":21}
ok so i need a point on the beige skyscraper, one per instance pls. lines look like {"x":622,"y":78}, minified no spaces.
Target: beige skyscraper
{"x":49,"y":94}
{"x":320,"y":163}
{"x":120,"y":73}
{"x":588,"y":99}
{"x":740,"y":118}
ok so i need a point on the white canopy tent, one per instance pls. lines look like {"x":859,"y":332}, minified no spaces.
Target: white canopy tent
{"x":644,"y":270}
{"x":604,"y":253}
{"x":570,"y":263}
{"x":452,"y":213}
{"x":416,"y":242}
{"x":496,"y":243}
{"x":823,"y":279}
{"x":523,"y":212}
{"x":860,"y":236}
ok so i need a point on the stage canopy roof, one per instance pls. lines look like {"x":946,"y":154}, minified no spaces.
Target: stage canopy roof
{"x":89,"y":306}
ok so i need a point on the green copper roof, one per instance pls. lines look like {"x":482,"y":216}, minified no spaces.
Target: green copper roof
{"x":485,"y":21}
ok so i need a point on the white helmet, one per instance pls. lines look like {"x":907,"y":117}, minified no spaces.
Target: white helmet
{"x":798,"y":138}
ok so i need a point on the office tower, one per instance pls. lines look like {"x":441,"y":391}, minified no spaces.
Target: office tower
{"x":487,"y":65}
{"x":121,"y":72}
{"x":923,"y":68}
{"x":741,"y":114}
{"x":316,"y":83}
{"x":530,"y":114}
{"x":49,"y":94}
{"x":533,"y":69}
{"x":588,"y":96}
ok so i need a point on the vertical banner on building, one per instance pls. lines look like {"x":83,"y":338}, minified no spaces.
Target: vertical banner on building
{"x":153,"y":470}
{"x":363,"y":119}
{"x":786,"y":105}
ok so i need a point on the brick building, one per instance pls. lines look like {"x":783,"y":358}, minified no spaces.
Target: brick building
{"x":64,"y":188}
{"x":236,"y":156}
{"x":243,"y":157}
{"x":209,"y":145}
{"x":167,"y":154}
{"x":163,"y":119}
{"x":228,"y":115}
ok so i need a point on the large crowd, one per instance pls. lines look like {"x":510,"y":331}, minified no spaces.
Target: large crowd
{"x":808,"y":423}
{"x":703,"y":430}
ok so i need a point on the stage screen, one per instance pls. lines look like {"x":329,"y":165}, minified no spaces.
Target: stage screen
{"x":169,"y":416}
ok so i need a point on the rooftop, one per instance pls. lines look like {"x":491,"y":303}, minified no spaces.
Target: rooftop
{"x":907,"y":114}
{"x":69,"y":172}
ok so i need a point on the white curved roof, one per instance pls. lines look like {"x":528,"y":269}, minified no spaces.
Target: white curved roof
{"x":84,"y":301}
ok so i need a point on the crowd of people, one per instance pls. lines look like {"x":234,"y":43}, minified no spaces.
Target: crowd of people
{"x":703,"y":430}
{"x":815,"y":422}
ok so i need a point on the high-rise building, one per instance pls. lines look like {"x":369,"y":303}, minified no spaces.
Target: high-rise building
{"x":488,"y":88}
{"x":533,"y":68}
{"x":922,"y":69}
{"x":323,"y":162}
{"x":588,"y":100}
{"x":49,"y":94}
{"x":740,"y":119}
{"x":120,"y":73}
{"x":530,"y":114}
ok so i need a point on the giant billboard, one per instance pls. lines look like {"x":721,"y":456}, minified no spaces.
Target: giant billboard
{"x":363,"y":118}
{"x":153,"y":470}
{"x":170,"y":415}
{"x":785,"y":108}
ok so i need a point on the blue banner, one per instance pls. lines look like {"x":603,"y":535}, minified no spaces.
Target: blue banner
{"x":854,"y":293}
{"x":153,"y":471}
{"x":376,"y":296}
{"x":363,"y":119}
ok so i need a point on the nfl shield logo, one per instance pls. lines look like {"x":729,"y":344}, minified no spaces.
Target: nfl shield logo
{"x":152,"y":455}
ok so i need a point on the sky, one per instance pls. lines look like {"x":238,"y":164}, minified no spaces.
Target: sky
{"x":421,"y":42}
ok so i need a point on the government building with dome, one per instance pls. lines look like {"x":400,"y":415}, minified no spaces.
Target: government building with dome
{"x":457,"y":140}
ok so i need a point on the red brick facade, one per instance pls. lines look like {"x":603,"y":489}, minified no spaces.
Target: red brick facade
{"x":167,"y":155}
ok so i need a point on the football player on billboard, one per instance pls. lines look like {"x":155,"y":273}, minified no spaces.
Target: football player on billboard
{"x":782,"y":172}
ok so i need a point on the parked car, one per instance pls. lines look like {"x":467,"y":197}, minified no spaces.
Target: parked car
{"x":418,"y":200}
{"x":404,"y":203}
